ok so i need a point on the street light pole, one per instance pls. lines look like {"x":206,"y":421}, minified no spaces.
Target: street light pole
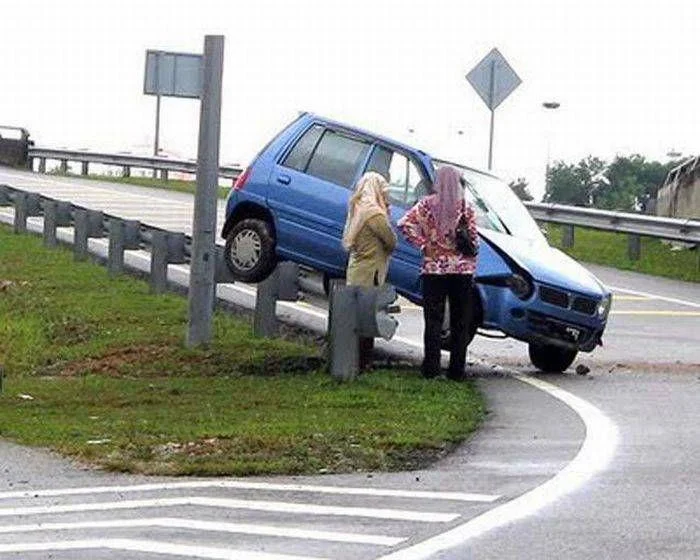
{"x":552,"y":105}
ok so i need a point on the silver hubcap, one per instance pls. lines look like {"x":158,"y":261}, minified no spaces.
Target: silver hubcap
{"x":246,"y":249}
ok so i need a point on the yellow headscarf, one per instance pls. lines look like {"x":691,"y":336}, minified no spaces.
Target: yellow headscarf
{"x":368,"y":200}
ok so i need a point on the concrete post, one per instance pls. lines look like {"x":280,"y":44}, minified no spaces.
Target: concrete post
{"x":88,"y":223}
{"x":159,"y":262}
{"x":21,"y":210}
{"x":567,"y":236}
{"x":115,"y":257}
{"x":343,"y":328}
{"x":634,"y":247}
{"x":50,"y":221}
{"x":265,"y":316}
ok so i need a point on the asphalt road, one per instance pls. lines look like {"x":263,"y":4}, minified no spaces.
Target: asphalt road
{"x":603,"y":465}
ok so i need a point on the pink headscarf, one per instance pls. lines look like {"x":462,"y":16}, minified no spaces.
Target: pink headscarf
{"x":447,"y":201}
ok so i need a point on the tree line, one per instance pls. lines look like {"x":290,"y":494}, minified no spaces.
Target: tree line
{"x":628,"y":183}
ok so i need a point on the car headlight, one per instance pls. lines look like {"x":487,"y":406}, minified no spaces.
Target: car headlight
{"x":519,"y":285}
{"x":604,"y":307}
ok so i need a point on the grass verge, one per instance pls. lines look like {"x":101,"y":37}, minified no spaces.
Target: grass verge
{"x":95,"y":368}
{"x":610,"y":249}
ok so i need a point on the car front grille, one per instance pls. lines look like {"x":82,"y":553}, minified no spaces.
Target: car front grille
{"x":554,"y":297}
{"x":585,"y":305}
{"x":565,"y":300}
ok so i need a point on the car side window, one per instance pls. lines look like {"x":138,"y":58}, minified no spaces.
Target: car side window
{"x":298,"y":157}
{"x":406,"y":184}
{"x":337,"y":158}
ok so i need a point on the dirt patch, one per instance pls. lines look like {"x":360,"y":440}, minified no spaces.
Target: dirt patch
{"x":112,"y":363}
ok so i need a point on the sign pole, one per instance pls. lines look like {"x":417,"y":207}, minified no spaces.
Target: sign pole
{"x":492,"y":88}
{"x":156,"y":140}
{"x":202,"y":267}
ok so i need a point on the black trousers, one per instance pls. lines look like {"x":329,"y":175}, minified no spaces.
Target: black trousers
{"x":437,"y":289}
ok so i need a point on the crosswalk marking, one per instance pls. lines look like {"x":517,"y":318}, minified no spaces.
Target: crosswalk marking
{"x":257,"y":505}
{"x":153,"y":547}
{"x":249,"y":485}
{"x":193,"y":524}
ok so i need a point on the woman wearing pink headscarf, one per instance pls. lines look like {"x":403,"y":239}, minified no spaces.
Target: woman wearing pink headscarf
{"x":446,"y":272}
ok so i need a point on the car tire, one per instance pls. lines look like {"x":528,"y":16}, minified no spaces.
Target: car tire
{"x":551,"y":359}
{"x":250,"y":250}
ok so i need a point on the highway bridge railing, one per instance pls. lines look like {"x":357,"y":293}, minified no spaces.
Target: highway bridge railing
{"x":126,"y":162}
{"x":635,"y":225}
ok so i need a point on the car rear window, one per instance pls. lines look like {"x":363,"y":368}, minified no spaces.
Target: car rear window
{"x":298,"y":157}
{"x":337,"y":158}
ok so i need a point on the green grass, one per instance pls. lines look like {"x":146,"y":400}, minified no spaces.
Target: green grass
{"x":610,"y":249}
{"x":111,"y":384}
{"x":171,"y":184}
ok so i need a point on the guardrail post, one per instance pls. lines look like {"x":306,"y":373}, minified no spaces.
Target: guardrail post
{"x":26,"y":205}
{"x":20,"y":223}
{"x":159,"y":261}
{"x":115,"y":256}
{"x":85,"y":169}
{"x":634,"y":247}
{"x":333,"y":285}
{"x":5,"y":197}
{"x":164,"y":175}
{"x":64,"y":166}
{"x":344,"y":343}
{"x":42,"y":165}
{"x":126,"y":171}
{"x":56,"y":214}
{"x":265,"y":318}
{"x":567,"y":236}
{"x":88,"y":223}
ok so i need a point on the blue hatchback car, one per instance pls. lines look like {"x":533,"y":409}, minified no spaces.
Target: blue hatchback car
{"x":291,"y":203}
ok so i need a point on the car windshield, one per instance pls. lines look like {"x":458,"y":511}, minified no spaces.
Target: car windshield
{"x":498,"y":208}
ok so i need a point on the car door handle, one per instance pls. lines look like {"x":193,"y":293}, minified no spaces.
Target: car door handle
{"x":284,"y":179}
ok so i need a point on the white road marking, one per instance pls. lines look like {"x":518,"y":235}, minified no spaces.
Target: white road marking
{"x":175,"y":523}
{"x":256,"y":505}
{"x":245,"y":485}
{"x":654,"y":296}
{"x":153,"y":547}
{"x":593,"y":457}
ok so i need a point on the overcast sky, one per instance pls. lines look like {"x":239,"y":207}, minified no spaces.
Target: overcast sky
{"x":625,"y":73}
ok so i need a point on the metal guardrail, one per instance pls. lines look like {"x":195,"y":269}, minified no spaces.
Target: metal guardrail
{"x":673,"y":229}
{"x":125,"y":161}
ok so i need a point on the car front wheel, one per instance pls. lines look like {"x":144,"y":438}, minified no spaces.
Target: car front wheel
{"x":250,"y":250}
{"x":551,"y":359}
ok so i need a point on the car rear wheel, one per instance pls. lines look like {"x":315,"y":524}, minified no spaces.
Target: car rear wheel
{"x":553,"y":359}
{"x":250,"y":250}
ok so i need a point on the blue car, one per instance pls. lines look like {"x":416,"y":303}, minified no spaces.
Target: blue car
{"x":291,"y":203}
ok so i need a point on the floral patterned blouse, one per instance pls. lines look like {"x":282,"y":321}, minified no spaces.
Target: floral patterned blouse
{"x":419,"y":228}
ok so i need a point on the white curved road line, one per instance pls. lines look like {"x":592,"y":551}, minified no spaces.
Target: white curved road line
{"x":593,"y":457}
{"x":654,"y":296}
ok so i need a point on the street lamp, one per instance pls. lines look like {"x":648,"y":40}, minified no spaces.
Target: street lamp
{"x":551,"y":105}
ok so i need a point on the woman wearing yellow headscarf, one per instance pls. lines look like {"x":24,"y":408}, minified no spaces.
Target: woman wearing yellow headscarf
{"x":368,"y":235}
{"x":370,"y":240}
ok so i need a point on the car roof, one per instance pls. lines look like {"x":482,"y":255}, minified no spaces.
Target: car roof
{"x":309,"y":116}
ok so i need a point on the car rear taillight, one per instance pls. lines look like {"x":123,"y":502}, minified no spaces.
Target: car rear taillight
{"x":241,"y":180}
